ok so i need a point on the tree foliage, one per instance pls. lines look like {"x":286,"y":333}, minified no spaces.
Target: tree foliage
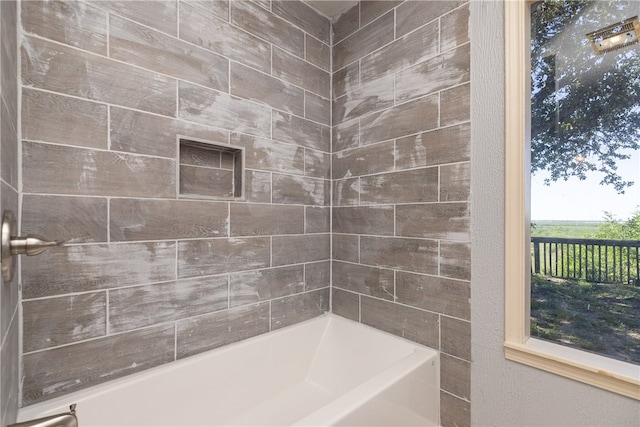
{"x":585,"y":108}
{"x":614,"y":229}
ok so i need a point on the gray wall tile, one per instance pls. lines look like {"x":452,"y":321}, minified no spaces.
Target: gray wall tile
{"x":219,"y":8}
{"x":456,"y":337}
{"x":413,"y":14}
{"x":399,"y":187}
{"x":345,"y":304}
{"x":138,"y":132}
{"x":437,"y":294}
{"x":402,"y":53}
{"x":214,"y":330}
{"x":219,"y":109}
{"x":77,"y":24}
{"x":363,"y":220}
{"x":448,"y":145}
{"x":138,"y":219}
{"x":454,"y":105}
{"x":65,"y":369}
{"x":53,"y":118}
{"x":455,"y":28}
{"x":318,"y":53}
{"x":317,"y":219}
{"x":257,"y":187}
{"x":259,"y":22}
{"x":300,"y":14}
{"x":69,"y":219}
{"x":139,"y":45}
{"x":199,"y":25}
{"x":91,"y":267}
{"x":370,"y":10}
{"x":448,"y":69}
{"x":317,"y":275}
{"x":10,"y":370}
{"x":299,"y":249}
{"x":455,"y":375}
{"x":347,"y":23}
{"x":217,"y":256}
{"x":370,"y":159}
{"x":404,"y":119}
{"x":9,"y":149}
{"x":206,"y":182}
{"x":454,"y":411}
{"x":455,"y":260}
{"x":301,"y":190}
{"x":364,"y":41}
{"x":249,"y":219}
{"x":52,"y":322}
{"x":9,"y":57}
{"x":346,"y":80}
{"x":140,"y":306}
{"x":300,"y":73}
{"x":317,"y":108}
{"x":346,"y":192}
{"x":65,"y":170}
{"x":372,"y":96}
{"x":346,"y":135}
{"x":296,"y":130}
{"x":268,"y":155}
{"x":158,"y":14}
{"x":455,"y":182}
{"x":345,"y":247}
{"x":254,"y":85}
{"x":449,"y":221}
{"x":298,"y":308}
{"x":260,"y":285}
{"x":317,"y":164}
{"x":72,"y":72}
{"x":416,"y":255}
{"x":365,"y":280}
{"x":406,"y":322}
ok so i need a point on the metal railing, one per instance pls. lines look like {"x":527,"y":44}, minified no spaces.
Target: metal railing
{"x":592,"y":260}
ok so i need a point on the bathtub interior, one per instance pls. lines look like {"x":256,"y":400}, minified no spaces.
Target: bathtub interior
{"x":315,"y":373}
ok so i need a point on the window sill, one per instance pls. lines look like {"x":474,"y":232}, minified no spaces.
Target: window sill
{"x":609,"y":374}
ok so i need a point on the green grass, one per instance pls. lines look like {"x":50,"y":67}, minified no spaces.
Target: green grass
{"x":601,"y":318}
{"x":566,"y":229}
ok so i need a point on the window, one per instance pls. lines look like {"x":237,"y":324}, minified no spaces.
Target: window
{"x":597,"y":370}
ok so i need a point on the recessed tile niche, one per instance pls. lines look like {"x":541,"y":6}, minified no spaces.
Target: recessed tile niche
{"x":210,"y":170}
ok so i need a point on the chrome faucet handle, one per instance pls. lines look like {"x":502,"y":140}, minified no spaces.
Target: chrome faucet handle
{"x":30,"y":245}
{"x":20,"y":245}
{"x":65,"y":419}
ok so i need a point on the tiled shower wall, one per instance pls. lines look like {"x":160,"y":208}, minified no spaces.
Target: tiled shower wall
{"x":147,"y":276}
{"x":9,"y":319}
{"x":401,"y":163}
{"x":151,"y":277}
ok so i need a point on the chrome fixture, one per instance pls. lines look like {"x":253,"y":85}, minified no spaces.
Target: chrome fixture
{"x":20,"y":245}
{"x":65,"y":419}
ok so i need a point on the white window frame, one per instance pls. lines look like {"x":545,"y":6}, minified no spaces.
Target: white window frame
{"x":600,"y":371}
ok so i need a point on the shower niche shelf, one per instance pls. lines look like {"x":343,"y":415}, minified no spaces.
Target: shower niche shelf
{"x":208,"y":170}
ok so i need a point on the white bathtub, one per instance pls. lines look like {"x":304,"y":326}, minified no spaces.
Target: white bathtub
{"x":323,"y":372}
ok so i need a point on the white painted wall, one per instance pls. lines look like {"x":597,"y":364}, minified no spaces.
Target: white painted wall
{"x":506,"y":393}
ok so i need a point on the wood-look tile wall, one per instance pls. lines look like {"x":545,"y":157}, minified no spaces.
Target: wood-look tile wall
{"x":401,"y":157}
{"x":147,"y":276}
{"x":357,"y":140}
{"x":9,"y":187}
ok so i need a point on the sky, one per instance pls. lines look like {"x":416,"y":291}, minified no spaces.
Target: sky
{"x":586,"y":200}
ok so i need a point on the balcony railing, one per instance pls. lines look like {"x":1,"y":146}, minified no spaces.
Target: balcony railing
{"x":592,"y":260}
